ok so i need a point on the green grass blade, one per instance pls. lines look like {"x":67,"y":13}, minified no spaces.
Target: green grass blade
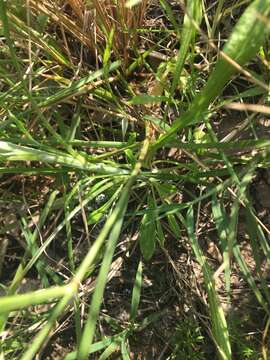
{"x":252,"y":229}
{"x":136,"y":292}
{"x":112,"y":226}
{"x":243,"y":44}
{"x":147,"y":238}
{"x":167,"y":8}
{"x":13,"y":152}
{"x":219,"y":324}
{"x":89,"y":329}
{"x":112,"y":348}
{"x":6,"y":31}
{"x":80,"y":274}
{"x":78,"y":87}
{"x":194,"y":10}
{"x":221,"y":222}
{"x":16,"y":302}
{"x":250,"y":279}
{"x":124,"y":350}
{"x":100,"y":345}
{"x":47,"y":43}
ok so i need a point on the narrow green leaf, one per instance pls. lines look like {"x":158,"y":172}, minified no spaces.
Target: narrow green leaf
{"x":16,"y":302}
{"x":78,"y":86}
{"x":194,"y":12}
{"x":13,"y":152}
{"x":112,"y":228}
{"x":174,"y":226}
{"x":108,"y":48}
{"x":219,"y":324}
{"x":245,"y":41}
{"x":160,"y":233}
{"x":221,"y":222}
{"x":252,"y":229}
{"x":147,"y":237}
{"x":97,"y":214}
{"x":112,"y":348}
{"x":136,"y":292}
{"x":124,"y":350}
{"x":98,"y":345}
{"x":168,"y":10}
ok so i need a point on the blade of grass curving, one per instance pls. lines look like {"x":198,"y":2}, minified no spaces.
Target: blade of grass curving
{"x":256,"y":231}
{"x":250,"y":279}
{"x":112,"y":348}
{"x":167,"y":8}
{"x":124,"y":349}
{"x":252,"y":229}
{"x":20,"y":301}
{"x":75,"y":123}
{"x":6,"y":33}
{"x":96,"y":215}
{"x":219,"y":324}
{"x":174,"y":226}
{"x":100,"y":345}
{"x":77,"y":87}
{"x":221,"y":221}
{"x":136,"y":292}
{"x":108,"y":49}
{"x":47,"y":43}
{"x":164,"y":191}
{"x":217,"y":17}
{"x":147,"y":237}
{"x":13,"y":152}
{"x":160,"y":233}
{"x":245,"y":41}
{"x":89,"y":329}
{"x":194,"y":11}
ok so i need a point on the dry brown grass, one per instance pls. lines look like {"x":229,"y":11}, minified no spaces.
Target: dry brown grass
{"x":91,"y":24}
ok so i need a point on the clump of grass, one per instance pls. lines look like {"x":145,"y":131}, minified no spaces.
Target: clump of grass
{"x":65,"y":121}
{"x":102,"y":25}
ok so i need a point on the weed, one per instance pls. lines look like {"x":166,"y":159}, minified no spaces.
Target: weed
{"x":187,"y":341}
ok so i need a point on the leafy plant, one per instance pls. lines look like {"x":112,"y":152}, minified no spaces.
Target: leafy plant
{"x":187,"y":341}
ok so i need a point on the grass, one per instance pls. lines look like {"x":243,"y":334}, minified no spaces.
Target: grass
{"x":111,"y":130}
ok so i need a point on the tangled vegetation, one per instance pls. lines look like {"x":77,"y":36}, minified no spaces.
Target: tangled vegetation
{"x":135,"y":192}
